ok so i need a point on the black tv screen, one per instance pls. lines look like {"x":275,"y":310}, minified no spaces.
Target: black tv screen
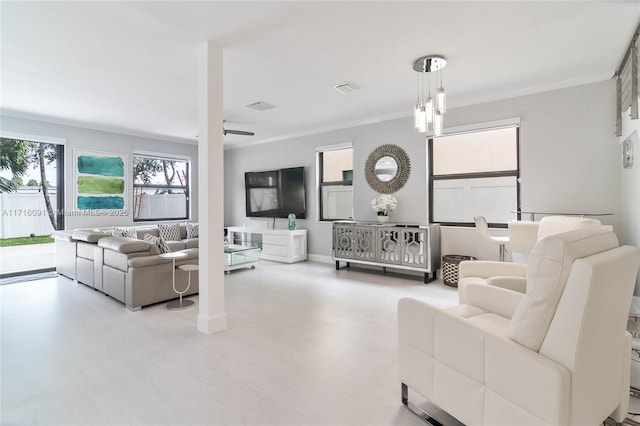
{"x":275,"y":193}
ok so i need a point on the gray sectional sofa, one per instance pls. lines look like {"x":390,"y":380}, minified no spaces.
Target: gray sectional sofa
{"x":129,"y":270}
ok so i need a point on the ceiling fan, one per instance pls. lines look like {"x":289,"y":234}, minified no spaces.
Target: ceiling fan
{"x":226,"y":132}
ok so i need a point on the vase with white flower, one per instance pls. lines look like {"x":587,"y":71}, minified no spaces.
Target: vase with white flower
{"x":383,"y":205}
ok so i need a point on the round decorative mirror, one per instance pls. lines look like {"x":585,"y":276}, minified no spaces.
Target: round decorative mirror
{"x":387,"y":169}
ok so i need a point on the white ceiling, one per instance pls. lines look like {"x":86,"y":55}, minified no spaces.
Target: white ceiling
{"x":131,"y":66}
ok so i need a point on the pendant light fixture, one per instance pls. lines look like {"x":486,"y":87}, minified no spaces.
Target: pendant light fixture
{"x":428,"y":113}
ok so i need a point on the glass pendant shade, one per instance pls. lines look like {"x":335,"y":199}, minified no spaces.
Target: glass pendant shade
{"x":422,"y":120}
{"x":437,"y":124}
{"x":429,"y":109}
{"x":441,"y":100}
{"x":416,"y":116}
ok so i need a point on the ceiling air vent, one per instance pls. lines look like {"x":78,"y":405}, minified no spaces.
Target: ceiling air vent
{"x":345,"y":87}
{"x":260,"y":106}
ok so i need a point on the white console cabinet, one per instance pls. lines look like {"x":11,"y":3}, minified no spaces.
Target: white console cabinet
{"x":279,"y":245}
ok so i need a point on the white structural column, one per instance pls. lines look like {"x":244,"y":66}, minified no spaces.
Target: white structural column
{"x":211,"y":317}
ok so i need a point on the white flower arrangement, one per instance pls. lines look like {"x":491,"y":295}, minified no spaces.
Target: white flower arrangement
{"x":384,"y":204}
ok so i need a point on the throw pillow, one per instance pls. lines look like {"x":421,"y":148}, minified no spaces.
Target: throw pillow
{"x":123,"y":231}
{"x":164,"y":247}
{"x":131,"y":233}
{"x":192,"y":230}
{"x":158,"y":242}
{"x":169,"y":232}
{"x":155,"y":248}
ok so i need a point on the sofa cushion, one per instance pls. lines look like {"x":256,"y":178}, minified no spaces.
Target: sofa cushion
{"x":192,"y":230}
{"x":143,"y":230}
{"x":62,"y":235}
{"x":176,"y":245}
{"x":190,"y":243}
{"x":124,"y":245}
{"x":90,"y":236}
{"x":549,"y":266}
{"x":85,"y":250}
{"x":169,"y":231}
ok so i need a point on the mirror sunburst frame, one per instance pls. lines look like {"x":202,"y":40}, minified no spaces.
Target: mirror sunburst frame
{"x":401,"y":177}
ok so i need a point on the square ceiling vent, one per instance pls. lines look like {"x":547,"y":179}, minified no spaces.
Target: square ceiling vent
{"x":345,"y":87}
{"x":260,"y":106}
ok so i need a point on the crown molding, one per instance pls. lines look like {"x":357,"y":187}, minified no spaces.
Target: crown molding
{"x":564,"y":84}
{"x":4,"y":112}
{"x":322,"y":129}
{"x":533,"y":90}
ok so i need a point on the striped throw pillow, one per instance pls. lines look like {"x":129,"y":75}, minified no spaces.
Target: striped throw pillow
{"x":164,"y":247}
{"x":160,"y":244}
{"x":155,"y":248}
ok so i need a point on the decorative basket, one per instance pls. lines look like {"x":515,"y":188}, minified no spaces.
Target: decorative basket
{"x":450,"y":265}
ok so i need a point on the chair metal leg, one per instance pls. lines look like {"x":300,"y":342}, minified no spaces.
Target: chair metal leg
{"x":415,"y":409}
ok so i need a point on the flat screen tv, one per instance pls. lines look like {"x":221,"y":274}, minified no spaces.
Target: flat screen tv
{"x":275,"y":193}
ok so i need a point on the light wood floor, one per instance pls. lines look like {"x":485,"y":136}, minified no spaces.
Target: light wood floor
{"x":306,"y":345}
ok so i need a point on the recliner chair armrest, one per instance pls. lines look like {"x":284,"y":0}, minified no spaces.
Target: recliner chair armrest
{"x":518,"y":284}
{"x":488,"y":268}
{"x":497,"y":300}
{"x":413,"y":316}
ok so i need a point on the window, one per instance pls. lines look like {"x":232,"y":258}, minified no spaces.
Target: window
{"x":160,"y":188}
{"x":335,"y":166}
{"x":474,"y":174}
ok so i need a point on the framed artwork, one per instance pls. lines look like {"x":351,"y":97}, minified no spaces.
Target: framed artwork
{"x":100,"y":180}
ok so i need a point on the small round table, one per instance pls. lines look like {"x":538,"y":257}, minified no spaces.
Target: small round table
{"x":177,"y":304}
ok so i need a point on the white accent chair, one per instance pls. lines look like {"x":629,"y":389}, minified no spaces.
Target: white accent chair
{"x":557,"y":355}
{"x":523,"y":236}
{"x":483,"y":227}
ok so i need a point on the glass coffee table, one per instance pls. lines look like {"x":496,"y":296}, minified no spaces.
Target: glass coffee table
{"x":240,"y":256}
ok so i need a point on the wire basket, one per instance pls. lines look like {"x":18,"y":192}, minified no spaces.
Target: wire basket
{"x":450,"y":265}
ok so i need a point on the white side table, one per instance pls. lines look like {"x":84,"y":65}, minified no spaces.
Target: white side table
{"x":177,"y":304}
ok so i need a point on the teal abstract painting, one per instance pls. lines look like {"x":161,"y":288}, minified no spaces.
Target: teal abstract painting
{"x":103,"y":166}
{"x":100,"y":180}
{"x":100,"y":203}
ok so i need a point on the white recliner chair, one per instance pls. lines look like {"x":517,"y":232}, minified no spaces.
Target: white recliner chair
{"x":523,"y":236}
{"x":557,"y":355}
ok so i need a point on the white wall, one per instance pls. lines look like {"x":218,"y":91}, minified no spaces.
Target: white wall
{"x":569,"y":161}
{"x":630,"y":188}
{"x":87,"y":139}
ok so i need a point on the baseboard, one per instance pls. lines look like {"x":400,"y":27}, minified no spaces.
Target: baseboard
{"x":320,"y":258}
{"x":212,"y":325}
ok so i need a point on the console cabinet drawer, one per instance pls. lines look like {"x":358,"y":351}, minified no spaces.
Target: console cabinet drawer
{"x":279,"y":240}
{"x":274,"y":250}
